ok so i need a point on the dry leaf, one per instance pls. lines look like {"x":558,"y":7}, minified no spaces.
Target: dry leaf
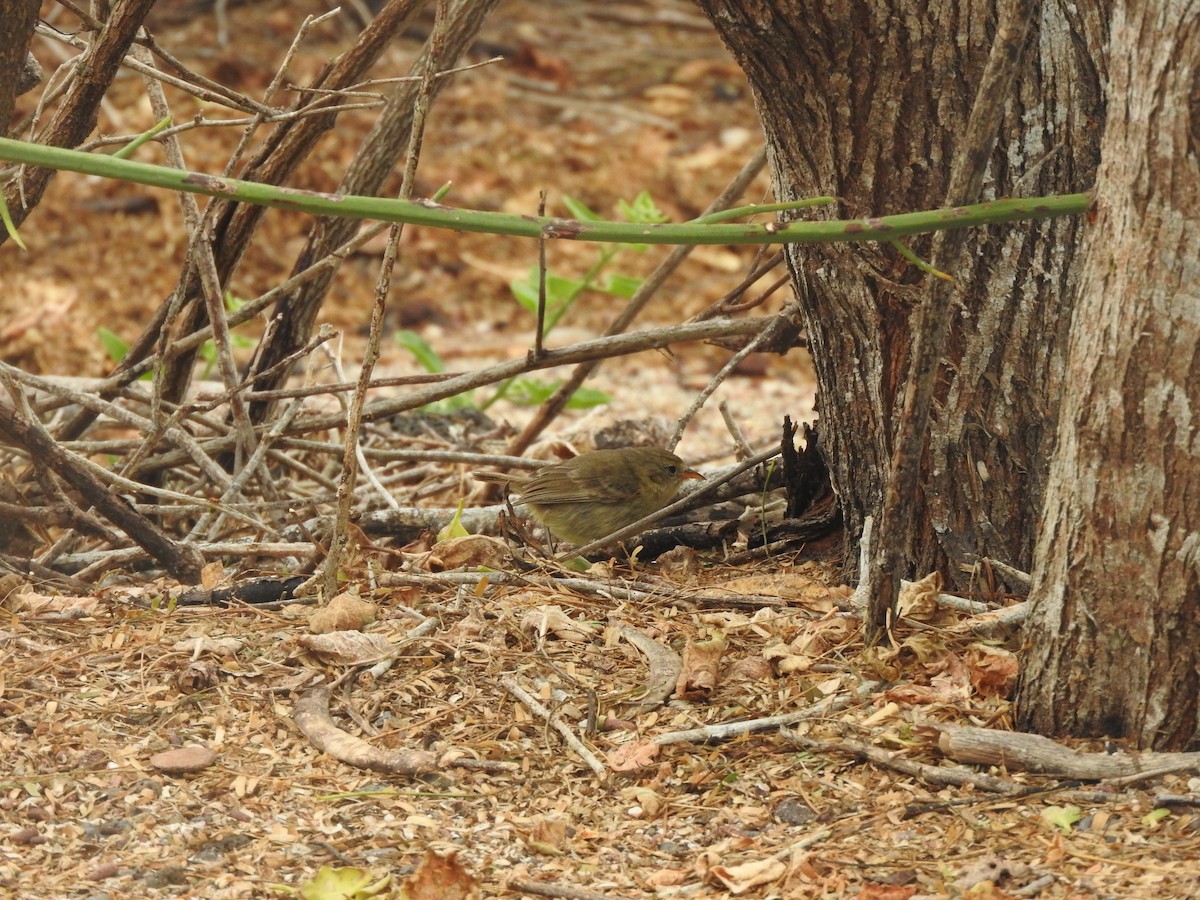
{"x":872,"y":890}
{"x":41,"y":604}
{"x":345,"y":612}
{"x":701,"y":670}
{"x":744,"y":877}
{"x":551,"y":620}
{"x":782,"y":662}
{"x":441,"y":878}
{"x":212,"y":575}
{"x":801,"y":589}
{"x":225,"y":647}
{"x":181,"y":760}
{"x":750,"y":668}
{"x":918,"y":599}
{"x":818,"y":638}
{"x":347,"y":648}
{"x":629,"y":757}
{"x":471,"y":552}
{"x":993,"y":670}
{"x":668,"y":878}
{"x":548,"y":836}
{"x":648,"y":802}
{"x":196,"y":676}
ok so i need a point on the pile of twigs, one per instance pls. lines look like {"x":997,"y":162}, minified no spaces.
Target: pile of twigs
{"x":167,"y":474}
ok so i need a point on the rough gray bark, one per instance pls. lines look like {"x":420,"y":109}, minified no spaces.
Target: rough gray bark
{"x":867,"y":101}
{"x":1115,"y":614}
{"x":17,"y":18}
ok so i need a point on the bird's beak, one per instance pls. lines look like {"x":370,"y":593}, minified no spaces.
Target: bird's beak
{"x":692,"y":473}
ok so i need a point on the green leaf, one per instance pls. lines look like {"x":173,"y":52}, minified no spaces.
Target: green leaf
{"x":1061,"y":817}
{"x":450,"y":405}
{"x":642,"y":210}
{"x":1155,"y":816}
{"x":586,"y":398}
{"x":560,"y":291}
{"x":525,"y":293}
{"x":529,"y":391}
{"x":426,"y":356}
{"x":112,"y":343}
{"x":8,"y":224}
{"x":455,"y":528}
{"x":619,"y":285}
{"x":525,"y":391}
{"x":579,"y":210}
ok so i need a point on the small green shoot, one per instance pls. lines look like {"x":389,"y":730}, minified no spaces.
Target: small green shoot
{"x":208,"y":350}
{"x":455,"y":529}
{"x":431,"y":362}
{"x":561,"y":293}
{"x":1156,"y":815}
{"x":155,"y":130}
{"x":1062,"y":817}
{"x":8,"y":224}
{"x":117,"y":349}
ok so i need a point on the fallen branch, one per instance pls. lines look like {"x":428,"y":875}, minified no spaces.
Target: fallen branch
{"x":1021,"y":752}
{"x":726,"y":730}
{"x":181,"y":561}
{"x":665,"y":666}
{"x":311,"y":716}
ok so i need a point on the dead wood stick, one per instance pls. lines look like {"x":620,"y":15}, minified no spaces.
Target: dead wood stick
{"x":665,"y":666}
{"x":606,"y":589}
{"x":777,"y":324}
{"x":311,"y":716}
{"x":723,"y":731}
{"x":551,"y":889}
{"x":926,"y":772}
{"x":510,"y":684}
{"x":182,"y":562}
{"x":599,"y":348}
{"x":1018,"y":751}
{"x":80,"y":108}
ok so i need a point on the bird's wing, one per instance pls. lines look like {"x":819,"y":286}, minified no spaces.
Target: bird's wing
{"x":567,"y":486}
{"x":612,"y":487}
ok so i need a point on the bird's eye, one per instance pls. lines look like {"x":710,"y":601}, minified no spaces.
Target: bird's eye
{"x":673,"y":469}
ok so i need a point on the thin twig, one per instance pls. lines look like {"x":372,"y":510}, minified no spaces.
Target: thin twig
{"x":735,"y":432}
{"x":762,"y":338}
{"x":354,"y":417}
{"x":540,"y":333}
{"x":550,"y":409}
{"x":569,"y":737}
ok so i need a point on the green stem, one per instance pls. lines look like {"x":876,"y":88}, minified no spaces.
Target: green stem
{"x":432,"y":214}
{"x":755,"y":209}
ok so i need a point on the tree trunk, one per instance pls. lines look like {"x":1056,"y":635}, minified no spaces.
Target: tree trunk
{"x":866,"y":101}
{"x":1115,"y":612}
{"x":17,"y":20}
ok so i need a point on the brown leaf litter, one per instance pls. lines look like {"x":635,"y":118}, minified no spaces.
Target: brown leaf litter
{"x":704,"y":796}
